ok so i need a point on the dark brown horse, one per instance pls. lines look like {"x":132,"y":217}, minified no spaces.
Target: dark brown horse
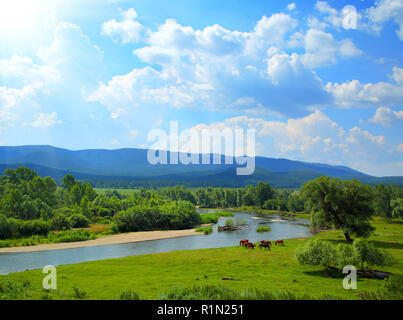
{"x":264,"y":245}
{"x":279,"y":242}
{"x":243,"y":242}
{"x":250,"y":245}
{"x":266,"y":242}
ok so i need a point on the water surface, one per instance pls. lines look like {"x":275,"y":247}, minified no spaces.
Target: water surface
{"x":281,"y":228}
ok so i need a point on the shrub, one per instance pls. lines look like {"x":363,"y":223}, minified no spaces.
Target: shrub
{"x":79,"y":294}
{"x":367,"y":255}
{"x":60,"y":222}
{"x":205,"y":230}
{"x":129,"y":295}
{"x":263,"y":229}
{"x":361,"y":253}
{"x":223,"y":293}
{"x":317,"y":253}
{"x":391,"y":289}
{"x":72,"y":236}
{"x":209,"y":218}
{"x":79,"y":221}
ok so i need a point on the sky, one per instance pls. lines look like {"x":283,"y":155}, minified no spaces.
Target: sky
{"x":319,"y":81}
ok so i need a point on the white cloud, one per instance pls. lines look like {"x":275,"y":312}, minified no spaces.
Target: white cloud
{"x":23,"y":68}
{"x":322,"y":49}
{"x":127,"y":30}
{"x":354,"y":94}
{"x":387,"y":117}
{"x":398,"y":75}
{"x":385,"y":10}
{"x":317,"y":138}
{"x":71,"y":49}
{"x":44,"y":120}
{"x":12,"y":101}
{"x":291,"y":6}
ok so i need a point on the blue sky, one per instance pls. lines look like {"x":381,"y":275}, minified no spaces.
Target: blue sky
{"x":102,"y":74}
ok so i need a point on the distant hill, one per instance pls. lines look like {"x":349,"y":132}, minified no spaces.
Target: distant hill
{"x":130,"y":168}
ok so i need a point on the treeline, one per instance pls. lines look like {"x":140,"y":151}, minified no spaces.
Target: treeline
{"x":32,"y":205}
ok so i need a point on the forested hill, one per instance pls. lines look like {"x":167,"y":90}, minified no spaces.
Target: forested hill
{"x":130,"y":168}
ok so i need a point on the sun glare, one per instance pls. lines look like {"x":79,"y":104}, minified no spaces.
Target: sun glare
{"x":18,"y":16}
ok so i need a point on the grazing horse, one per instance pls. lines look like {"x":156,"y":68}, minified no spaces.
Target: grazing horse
{"x":250,"y":245}
{"x":266,"y":242}
{"x":264,"y":245}
{"x":243,"y":242}
{"x":279,"y":242}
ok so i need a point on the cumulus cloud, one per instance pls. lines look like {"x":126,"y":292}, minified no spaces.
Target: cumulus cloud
{"x":386,"y":10}
{"x":316,"y":138}
{"x":220,"y":69}
{"x":23,"y":68}
{"x":12,"y":101}
{"x":353,"y":94}
{"x":70,"y":49}
{"x":398,"y":75}
{"x":126,"y":30}
{"x":387,"y":117}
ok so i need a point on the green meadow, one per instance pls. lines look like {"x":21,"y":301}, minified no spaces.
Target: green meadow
{"x":152,"y":275}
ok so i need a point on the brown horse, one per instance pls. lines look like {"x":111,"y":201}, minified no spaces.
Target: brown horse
{"x":266,"y":242}
{"x":243,"y":242}
{"x":249,"y":245}
{"x":264,"y":245}
{"x":279,"y":242}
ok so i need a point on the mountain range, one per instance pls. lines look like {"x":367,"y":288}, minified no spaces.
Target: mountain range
{"x":130,"y":168}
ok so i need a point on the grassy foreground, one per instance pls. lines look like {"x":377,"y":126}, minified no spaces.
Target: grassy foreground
{"x":153,"y":274}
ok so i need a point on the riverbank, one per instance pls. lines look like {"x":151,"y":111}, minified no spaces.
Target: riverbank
{"x":107,"y":240}
{"x":152,"y":274}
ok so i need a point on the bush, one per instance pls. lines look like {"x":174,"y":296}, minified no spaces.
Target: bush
{"x":361,"y":253}
{"x":223,"y":293}
{"x":129,"y":295}
{"x":391,"y":289}
{"x":205,"y":230}
{"x":367,"y":255}
{"x":263,"y":229}
{"x":209,"y":218}
{"x":60,"y":222}
{"x":171,"y":215}
{"x":73,"y":236}
{"x":317,"y":253}
{"x":79,"y":294}
{"x":79,"y":221}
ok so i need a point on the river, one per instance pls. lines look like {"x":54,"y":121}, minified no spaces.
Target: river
{"x":281,"y":228}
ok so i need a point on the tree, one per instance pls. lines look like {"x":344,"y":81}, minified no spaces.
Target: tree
{"x":397,"y":208}
{"x":383,"y":197}
{"x":68,"y":182}
{"x":264,"y":192}
{"x":344,"y":205}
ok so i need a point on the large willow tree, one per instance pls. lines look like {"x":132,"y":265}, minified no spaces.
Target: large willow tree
{"x":341,"y":204}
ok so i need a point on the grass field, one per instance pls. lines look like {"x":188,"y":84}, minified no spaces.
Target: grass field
{"x":153,"y":274}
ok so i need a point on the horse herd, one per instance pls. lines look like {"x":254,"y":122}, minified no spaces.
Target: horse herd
{"x":262,"y":244}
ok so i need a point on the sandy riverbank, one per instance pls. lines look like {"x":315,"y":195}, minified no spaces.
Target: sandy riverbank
{"x":115,"y":239}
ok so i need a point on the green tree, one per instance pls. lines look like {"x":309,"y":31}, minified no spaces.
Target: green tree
{"x":343,"y":205}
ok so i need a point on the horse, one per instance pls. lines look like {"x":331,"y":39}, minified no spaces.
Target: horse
{"x":243,"y":242}
{"x":279,"y":242}
{"x":249,"y":245}
{"x":265,"y":242}
{"x":264,"y":245}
